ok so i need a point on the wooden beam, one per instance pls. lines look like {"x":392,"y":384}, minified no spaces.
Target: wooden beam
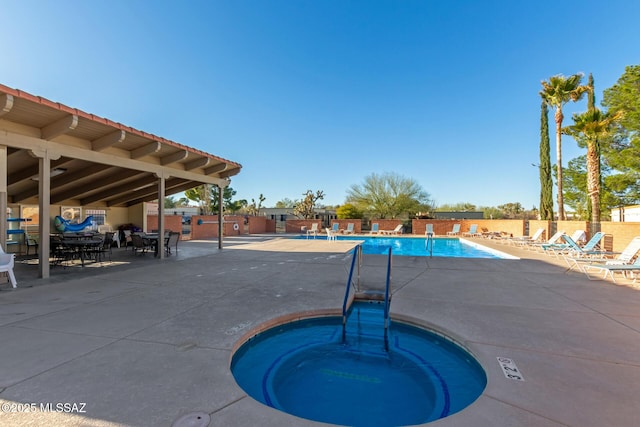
{"x":63,"y":179}
{"x":151,"y":190}
{"x":119,"y":175}
{"x":229,"y":173}
{"x":215,"y":169}
{"x":31,"y":171}
{"x":59,"y":127}
{"x":169,"y":191}
{"x":6,"y":104}
{"x":145,"y":150}
{"x":108,"y":140}
{"x":175,"y":157}
{"x":197,"y":163}
{"x":123,"y":188}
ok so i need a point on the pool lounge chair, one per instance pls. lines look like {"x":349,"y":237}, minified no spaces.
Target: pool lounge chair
{"x":537,"y":246}
{"x":555,"y":247}
{"x":349,"y":229}
{"x":573,"y":249}
{"x":429,"y":230}
{"x":622,"y":258}
{"x":523,"y":240}
{"x":397,"y":230}
{"x":335,"y":227}
{"x":609,"y":269}
{"x":375,"y":228}
{"x":455,"y":231}
{"x":473,"y":231}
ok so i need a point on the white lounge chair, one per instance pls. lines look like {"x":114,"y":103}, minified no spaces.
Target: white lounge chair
{"x":6,"y":266}
{"x":429,"y":230}
{"x":375,"y":228}
{"x":455,"y":231}
{"x":335,"y":227}
{"x":473,"y":231}
{"x":397,"y":230}
{"x":349,"y":229}
{"x":623,"y":258}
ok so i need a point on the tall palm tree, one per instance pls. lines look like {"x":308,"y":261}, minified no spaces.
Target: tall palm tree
{"x":556,"y":92}
{"x":592,"y":126}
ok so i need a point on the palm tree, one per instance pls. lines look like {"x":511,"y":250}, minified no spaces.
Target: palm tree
{"x":592,"y":126}
{"x":556,"y":92}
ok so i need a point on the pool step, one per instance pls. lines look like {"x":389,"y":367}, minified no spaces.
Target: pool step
{"x":364,"y":331}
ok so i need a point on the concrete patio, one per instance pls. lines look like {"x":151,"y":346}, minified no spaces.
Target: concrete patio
{"x":145,"y":343}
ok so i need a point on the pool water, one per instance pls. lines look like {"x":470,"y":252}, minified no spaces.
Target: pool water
{"x":417,"y":246}
{"x":309,"y":369}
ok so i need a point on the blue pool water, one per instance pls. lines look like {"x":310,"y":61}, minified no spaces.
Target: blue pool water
{"x":417,"y":246}
{"x":308,"y":369}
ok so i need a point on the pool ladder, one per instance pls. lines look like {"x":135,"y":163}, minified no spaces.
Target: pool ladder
{"x":429,"y":244}
{"x":367,"y":295}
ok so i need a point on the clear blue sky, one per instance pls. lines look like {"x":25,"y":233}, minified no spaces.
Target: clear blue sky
{"x":320,"y":94}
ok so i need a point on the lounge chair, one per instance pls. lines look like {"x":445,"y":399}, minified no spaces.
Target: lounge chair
{"x":552,"y":240}
{"x":609,"y":269}
{"x":473,"y":231}
{"x":429,"y":230}
{"x":455,"y":231}
{"x":313,"y":230}
{"x":397,"y":230}
{"x":375,"y":228}
{"x":622,"y":258}
{"x":335,"y":227}
{"x":349,"y":229}
{"x":573,"y":249}
{"x":527,"y":239}
{"x":555,"y":247}
{"x":6,"y":266}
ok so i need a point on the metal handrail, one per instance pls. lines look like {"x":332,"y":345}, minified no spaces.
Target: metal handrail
{"x":356,"y":253}
{"x":429,"y":246}
{"x":387,"y":302}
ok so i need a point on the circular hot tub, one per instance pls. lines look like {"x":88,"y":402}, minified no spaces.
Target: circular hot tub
{"x":316,"y":369}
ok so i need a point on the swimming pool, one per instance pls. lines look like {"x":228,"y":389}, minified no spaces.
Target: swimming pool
{"x":312,"y":369}
{"x":417,"y":246}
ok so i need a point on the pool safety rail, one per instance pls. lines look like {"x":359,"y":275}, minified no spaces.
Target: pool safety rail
{"x":367,"y":295}
{"x":429,"y":244}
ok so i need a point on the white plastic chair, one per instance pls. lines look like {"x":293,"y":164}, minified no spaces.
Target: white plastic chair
{"x":6,"y":266}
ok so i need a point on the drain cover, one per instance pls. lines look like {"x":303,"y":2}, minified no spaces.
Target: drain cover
{"x":195,"y":419}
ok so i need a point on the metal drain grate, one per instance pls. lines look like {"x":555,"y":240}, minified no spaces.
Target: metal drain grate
{"x":195,"y":419}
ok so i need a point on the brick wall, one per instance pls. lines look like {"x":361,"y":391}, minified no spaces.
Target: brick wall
{"x":621,"y":232}
{"x":206,"y":226}
{"x":171,"y":222}
{"x":295,"y":225}
{"x":513,"y":227}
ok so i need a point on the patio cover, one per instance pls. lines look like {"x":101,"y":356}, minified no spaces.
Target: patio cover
{"x":54,"y":154}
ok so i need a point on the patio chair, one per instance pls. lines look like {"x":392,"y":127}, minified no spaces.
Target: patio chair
{"x":335,"y":227}
{"x":104,"y":247}
{"x":473,"y":231}
{"x":174,"y":238}
{"x":527,"y":239}
{"x":139,"y":244}
{"x":455,"y":231}
{"x":349,"y":229}
{"x":555,"y":247}
{"x":429,"y":230}
{"x":31,"y":242}
{"x":397,"y":230}
{"x":6,"y":266}
{"x":331,"y":235}
{"x":313,"y":230}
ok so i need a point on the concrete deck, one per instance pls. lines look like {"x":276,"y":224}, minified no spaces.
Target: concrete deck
{"x":145,"y":343}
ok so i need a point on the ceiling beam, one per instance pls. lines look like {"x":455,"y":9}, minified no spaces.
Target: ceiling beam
{"x":143,"y":192}
{"x":229,"y":172}
{"x":175,"y":157}
{"x":62,"y":180}
{"x":31,"y":171}
{"x":169,"y":191}
{"x":215,"y":169}
{"x":6,"y":104}
{"x":59,"y":127}
{"x":11,"y":139}
{"x":145,"y":150}
{"x":123,"y":188}
{"x":108,"y":140}
{"x":112,"y":178}
{"x":197,"y":163}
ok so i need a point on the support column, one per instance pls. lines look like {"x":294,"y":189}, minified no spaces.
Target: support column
{"x":3,"y":196}
{"x":161,"y":195}
{"x":44,"y":207}
{"x":220,"y":215}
